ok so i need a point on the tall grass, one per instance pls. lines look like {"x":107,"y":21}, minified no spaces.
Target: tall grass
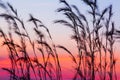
{"x":94,"y":42}
{"x":23,"y":66}
{"x":94,"y":39}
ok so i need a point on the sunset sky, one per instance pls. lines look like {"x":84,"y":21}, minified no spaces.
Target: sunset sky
{"x":45,"y":10}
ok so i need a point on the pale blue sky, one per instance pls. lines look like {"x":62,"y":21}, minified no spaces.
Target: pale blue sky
{"x":45,"y":10}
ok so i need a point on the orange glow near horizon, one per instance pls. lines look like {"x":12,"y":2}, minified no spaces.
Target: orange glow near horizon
{"x":66,"y":64}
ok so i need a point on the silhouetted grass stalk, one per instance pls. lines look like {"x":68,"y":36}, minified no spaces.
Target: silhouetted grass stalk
{"x":89,"y":39}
